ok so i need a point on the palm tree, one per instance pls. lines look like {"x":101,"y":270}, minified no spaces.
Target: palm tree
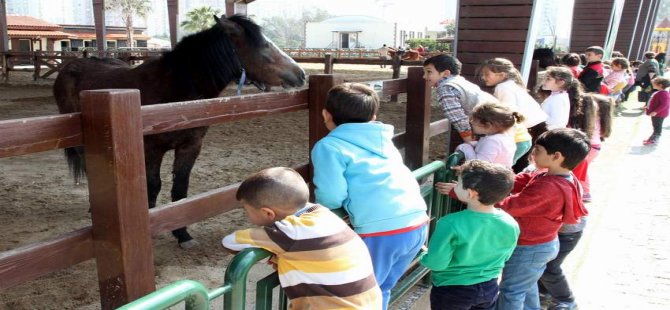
{"x":199,"y":19}
{"x":130,"y":8}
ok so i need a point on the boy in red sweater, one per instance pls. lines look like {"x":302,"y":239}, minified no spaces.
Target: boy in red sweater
{"x":659,"y":104}
{"x":541,"y":203}
{"x":592,"y":75}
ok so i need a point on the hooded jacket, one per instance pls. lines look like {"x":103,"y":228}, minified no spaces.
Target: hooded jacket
{"x":357,"y":167}
{"x":541,"y":203}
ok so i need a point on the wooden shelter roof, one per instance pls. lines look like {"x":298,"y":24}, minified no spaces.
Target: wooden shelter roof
{"x":19,"y":22}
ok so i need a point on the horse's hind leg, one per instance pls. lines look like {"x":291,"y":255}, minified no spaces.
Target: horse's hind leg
{"x":184,"y":159}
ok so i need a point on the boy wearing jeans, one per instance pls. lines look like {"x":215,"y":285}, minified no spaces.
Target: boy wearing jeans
{"x":357,"y":167}
{"x":322,"y":263}
{"x":541,"y":202}
{"x":468,"y":249}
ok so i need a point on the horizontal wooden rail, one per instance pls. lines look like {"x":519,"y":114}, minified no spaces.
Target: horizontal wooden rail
{"x":439,"y":127}
{"x":45,"y":133}
{"x":160,"y":118}
{"x":39,"y":134}
{"x":35,"y":260}
{"x":394,"y":87}
{"x":199,"y":207}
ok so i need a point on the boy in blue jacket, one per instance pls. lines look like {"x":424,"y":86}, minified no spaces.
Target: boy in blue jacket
{"x":357,"y":167}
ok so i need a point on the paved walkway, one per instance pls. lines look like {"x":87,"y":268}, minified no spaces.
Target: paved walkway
{"x":623,"y":260}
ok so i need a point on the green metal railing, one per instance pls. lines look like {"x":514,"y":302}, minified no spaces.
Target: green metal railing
{"x":195,"y":295}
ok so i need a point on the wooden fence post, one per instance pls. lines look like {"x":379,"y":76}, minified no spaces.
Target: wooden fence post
{"x":37,"y":66}
{"x":319,"y":85}
{"x":328,"y":64}
{"x":397,"y":61}
{"x":417,"y":122}
{"x":113,"y":140}
{"x":5,"y":66}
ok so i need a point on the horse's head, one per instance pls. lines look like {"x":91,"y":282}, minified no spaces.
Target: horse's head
{"x":264,"y":63}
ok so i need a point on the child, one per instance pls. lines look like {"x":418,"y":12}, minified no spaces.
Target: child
{"x":572,"y":61}
{"x":496,"y":122}
{"x":658,"y":108}
{"x":511,"y":91}
{"x":564,"y":90}
{"x":357,"y":167}
{"x":617,"y":79}
{"x":592,"y":75}
{"x":455,"y":94}
{"x":594,"y":118}
{"x":469,"y":248}
{"x":317,"y":253}
{"x":541,"y":203}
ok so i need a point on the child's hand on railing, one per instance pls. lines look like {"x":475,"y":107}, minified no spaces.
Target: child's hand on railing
{"x":445,"y":188}
{"x":272,"y":261}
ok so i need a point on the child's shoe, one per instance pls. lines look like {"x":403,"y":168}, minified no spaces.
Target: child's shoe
{"x":586,"y":197}
{"x":563,"y":305}
{"x":649,"y":141}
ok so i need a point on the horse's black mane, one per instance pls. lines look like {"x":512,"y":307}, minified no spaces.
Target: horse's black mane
{"x":205,"y":62}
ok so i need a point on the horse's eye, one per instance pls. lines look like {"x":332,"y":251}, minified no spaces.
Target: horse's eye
{"x":266,"y":45}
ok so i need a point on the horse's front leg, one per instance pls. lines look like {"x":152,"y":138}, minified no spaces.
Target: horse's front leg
{"x":184,"y":159}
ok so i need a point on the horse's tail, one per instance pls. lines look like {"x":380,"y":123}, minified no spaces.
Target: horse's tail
{"x":76,"y":162}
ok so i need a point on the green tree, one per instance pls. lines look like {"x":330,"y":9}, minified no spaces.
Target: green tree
{"x":128,"y":10}
{"x":199,"y":19}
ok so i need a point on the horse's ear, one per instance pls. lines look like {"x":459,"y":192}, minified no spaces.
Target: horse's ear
{"x":231,"y":28}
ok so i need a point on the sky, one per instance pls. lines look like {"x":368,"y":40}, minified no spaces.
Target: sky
{"x":421,"y":13}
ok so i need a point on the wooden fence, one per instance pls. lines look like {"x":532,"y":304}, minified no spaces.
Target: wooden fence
{"x":111,"y":126}
{"x":53,"y":61}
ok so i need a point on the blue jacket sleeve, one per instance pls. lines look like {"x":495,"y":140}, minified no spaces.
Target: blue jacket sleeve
{"x":329,"y":180}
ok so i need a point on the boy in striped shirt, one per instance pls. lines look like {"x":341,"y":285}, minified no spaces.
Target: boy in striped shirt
{"x":322,"y":263}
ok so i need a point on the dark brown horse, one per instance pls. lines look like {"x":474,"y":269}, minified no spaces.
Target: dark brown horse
{"x":199,"y":67}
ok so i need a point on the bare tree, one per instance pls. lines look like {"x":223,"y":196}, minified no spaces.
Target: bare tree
{"x":128,"y":9}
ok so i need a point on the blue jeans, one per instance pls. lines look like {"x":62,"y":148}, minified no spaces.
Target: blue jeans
{"x":518,"y":288}
{"x":392,"y":254}
{"x":465,"y":297}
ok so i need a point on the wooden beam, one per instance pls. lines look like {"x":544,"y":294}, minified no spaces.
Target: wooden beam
{"x":173,"y":16}
{"x":4,"y":37}
{"x":417,"y":122}
{"x":113,"y":140}
{"x":39,"y":134}
{"x":100,"y":27}
{"x":624,"y":40}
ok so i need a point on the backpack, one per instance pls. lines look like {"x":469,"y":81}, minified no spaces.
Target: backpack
{"x":471,"y":94}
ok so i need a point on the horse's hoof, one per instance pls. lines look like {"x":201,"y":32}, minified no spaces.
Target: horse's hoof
{"x":188,"y":244}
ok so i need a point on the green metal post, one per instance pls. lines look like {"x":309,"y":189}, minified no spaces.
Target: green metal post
{"x":236,"y":275}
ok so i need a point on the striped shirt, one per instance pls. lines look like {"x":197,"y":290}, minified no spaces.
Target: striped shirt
{"x":322,"y":263}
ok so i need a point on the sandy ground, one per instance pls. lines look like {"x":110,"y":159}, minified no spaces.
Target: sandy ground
{"x":39,"y":199}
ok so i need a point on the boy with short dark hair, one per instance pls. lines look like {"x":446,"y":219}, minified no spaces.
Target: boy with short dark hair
{"x":593,"y":73}
{"x":541,"y":202}
{"x":322,"y":263}
{"x":357,"y":167}
{"x":455,"y":94}
{"x":468,"y":249}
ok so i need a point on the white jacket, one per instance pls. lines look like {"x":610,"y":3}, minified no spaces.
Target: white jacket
{"x":518,"y":99}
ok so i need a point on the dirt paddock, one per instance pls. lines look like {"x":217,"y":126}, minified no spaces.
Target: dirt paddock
{"x":39,"y":200}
